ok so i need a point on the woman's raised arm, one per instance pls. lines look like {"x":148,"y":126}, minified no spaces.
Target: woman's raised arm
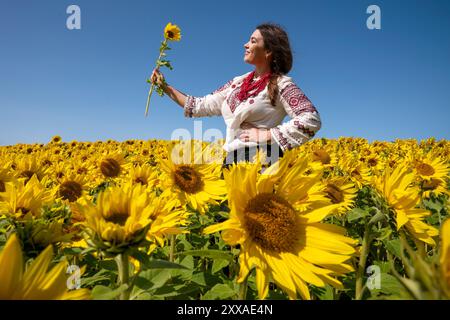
{"x":196,"y":107}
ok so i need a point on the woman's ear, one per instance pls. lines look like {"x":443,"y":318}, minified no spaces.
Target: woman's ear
{"x":269,"y":55}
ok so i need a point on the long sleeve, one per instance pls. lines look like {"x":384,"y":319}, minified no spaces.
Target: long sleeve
{"x":209,"y":105}
{"x":305,"y":119}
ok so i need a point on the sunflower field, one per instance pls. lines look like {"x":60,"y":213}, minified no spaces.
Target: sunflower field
{"x":335,"y":219}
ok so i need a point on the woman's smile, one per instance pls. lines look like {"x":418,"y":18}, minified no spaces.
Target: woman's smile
{"x":255,"y":52}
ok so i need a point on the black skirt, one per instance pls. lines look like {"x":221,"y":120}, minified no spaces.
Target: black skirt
{"x":273,"y":153}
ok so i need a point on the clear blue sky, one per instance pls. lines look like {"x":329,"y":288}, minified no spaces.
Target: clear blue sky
{"x":89,"y":84}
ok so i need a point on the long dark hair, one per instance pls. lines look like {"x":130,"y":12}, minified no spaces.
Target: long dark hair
{"x":276,"y":40}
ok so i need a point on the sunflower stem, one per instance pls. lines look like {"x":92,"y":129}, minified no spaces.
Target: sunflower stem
{"x":148,"y":99}
{"x":359,"y":288}
{"x":243,"y":289}
{"x":172,"y":248}
{"x":123,"y":269}
{"x":151,"y":88}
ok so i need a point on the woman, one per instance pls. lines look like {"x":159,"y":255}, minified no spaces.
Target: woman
{"x":254,"y":105}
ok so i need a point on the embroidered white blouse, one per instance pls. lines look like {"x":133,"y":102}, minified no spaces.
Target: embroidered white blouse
{"x":303,"y":125}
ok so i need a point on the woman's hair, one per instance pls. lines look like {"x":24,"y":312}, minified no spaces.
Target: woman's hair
{"x":276,"y":40}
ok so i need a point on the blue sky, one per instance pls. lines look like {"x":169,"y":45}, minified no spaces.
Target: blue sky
{"x":89,"y":84}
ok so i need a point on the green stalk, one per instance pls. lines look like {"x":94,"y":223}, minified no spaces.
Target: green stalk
{"x":172,"y":248}
{"x":151,"y":88}
{"x":243,"y":288}
{"x":359,"y":289}
{"x":367,"y":239}
{"x":124,"y":274}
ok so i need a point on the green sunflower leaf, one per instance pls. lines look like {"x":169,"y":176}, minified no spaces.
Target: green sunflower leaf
{"x":105,"y":293}
{"x":214,"y":254}
{"x":219,"y":291}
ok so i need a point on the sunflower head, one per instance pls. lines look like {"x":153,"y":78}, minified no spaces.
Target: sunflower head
{"x":271,"y":222}
{"x":193,"y":181}
{"x":111,"y":166}
{"x":144,"y":174}
{"x":56,"y":139}
{"x":28,"y":166}
{"x":22,"y":199}
{"x":72,"y":187}
{"x":341,"y":192}
{"x":172,"y":32}
{"x":188,"y":179}
{"x":120,"y":218}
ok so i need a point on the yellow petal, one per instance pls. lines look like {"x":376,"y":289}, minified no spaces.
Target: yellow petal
{"x":11,"y":264}
{"x":402,"y":218}
{"x":262,"y":284}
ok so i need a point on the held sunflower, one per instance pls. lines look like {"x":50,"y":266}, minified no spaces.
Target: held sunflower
{"x":172,"y":32}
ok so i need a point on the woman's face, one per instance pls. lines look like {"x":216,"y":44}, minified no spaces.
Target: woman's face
{"x":254,"y":50}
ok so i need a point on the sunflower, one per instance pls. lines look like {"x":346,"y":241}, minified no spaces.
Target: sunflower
{"x":112,"y":165}
{"x":432,"y":173}
{"x":304,"y":175}
{"x":284,"y":245}
{"x":195,"y":183}
{"x":27,"y":166}
{"x":434,"y":186}
{"x":429,"y":168}
{"x":167,"y":219}
{"x":341,"y":193}
{"x":357,"y":171}
{"x":45,"y":232}
{"x":397,"y":187}
{"x":56,"y":139}
{"x":74,"y":228}
{"x":88,"y":169}
{"x":145,"y":175}
{"x":37,"y":282}
{"x":124,"y":217}
{"x":72,"y":186}
{"x":172,"y":32}
{"x":119,"y":219}
{"x":22,"y":200}
{"x":373,"y":161}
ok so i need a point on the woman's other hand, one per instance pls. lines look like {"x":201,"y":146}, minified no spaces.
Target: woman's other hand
{"x":255,"y":135}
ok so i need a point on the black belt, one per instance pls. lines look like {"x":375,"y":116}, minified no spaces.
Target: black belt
{"x":247,"y":154}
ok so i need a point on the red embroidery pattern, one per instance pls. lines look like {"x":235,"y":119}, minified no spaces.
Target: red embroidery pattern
{"x":296,"y":99}
{"x":233,"y":100}
{"x":189,"y":106}
{"x":301,"y":127}
{"x":284,"y":143}
{"x":226,"y":85}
